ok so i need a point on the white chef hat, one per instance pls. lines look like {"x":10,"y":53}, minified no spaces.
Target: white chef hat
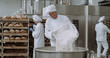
{"x":36,"y":18}
{"x":101,"y":18}
{"x":50,"y":8}
{"x":45,"y":14}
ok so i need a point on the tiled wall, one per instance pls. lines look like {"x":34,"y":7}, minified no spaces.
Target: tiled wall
{"x":7,"y":7}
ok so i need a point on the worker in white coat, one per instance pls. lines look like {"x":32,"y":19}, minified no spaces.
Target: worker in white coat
{"x":55,"y":21}
{"x":101,"y":37}
{"x":37,"y":33}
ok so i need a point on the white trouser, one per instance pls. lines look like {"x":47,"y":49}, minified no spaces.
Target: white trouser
{"x":33,"y":53}
{"x":103,"y":44}
{"x":52,"y":42}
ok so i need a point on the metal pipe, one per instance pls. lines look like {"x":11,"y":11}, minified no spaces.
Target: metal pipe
{"x":86,"y":27}
{"x":61,"y":2}
{"x":68,"y":2}
{"x":54,"y":1}
{"x":25,"y":7}
{"x":44,"y":3}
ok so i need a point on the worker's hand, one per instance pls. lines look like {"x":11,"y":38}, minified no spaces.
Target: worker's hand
{"x":31,"y":29}
{"x":32,"y":25}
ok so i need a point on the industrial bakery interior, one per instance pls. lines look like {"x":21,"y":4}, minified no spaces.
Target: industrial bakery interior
{"x":20,"y":18}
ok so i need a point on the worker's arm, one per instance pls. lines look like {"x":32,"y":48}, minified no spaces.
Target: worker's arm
{"x":107,"y":29}
{"x":48,"y":33}
{"x":36,"y":33}
{"x":74,"y":27}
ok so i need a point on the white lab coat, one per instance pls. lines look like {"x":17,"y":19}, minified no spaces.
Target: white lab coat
{"x":38,"y":35}
{"x":101,"y":32}
{"x":52,"y":24}
{"x":101,"y":38}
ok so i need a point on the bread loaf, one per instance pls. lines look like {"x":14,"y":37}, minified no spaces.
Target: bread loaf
{"x":21,"y":25}
{"x":23,"y":31}
{"x":11,"y":25}
{"x":12,"y":38}
{"x":13,"y":17}
{"x":18,"y":38}
{"x":6,"y":24}
{"x":12,"y":31}
{"x":24,"y":17}
{"x":19,"y":16}
{"x":6,"y":38}
{"x":17,"y":25}
{"x":7,"y":17}
{"x":17,"y":31}
{"x":6,"y":31}
{"x":23,"y":38}
{"x":0,"y":18}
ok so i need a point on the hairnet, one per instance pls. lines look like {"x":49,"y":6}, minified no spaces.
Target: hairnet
{"x":101,"y":18}
{"x":36,"y":18}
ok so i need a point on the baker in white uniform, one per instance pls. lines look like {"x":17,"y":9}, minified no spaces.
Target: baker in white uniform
{"x":101,"y":37}
{"x":55,"y":21}
{"x":37,"y":33}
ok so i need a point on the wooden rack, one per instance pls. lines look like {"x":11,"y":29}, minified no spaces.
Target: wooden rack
{"x":15,"y":54}
{"x":108,"y":35}
{"x":7,"y":47}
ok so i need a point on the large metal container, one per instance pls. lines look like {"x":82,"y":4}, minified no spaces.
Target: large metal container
{"x":50,"y":52}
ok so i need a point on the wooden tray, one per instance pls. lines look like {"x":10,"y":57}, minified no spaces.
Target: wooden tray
{"x":15,"y":40}
{"x":15,"y":47}
{"x":16,"y":27}
{"x":15,"y":54}
{"x":16,"y":20}
{"x":19,"y":34}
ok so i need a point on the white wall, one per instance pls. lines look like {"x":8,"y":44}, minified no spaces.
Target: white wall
{"x":7,"y":7}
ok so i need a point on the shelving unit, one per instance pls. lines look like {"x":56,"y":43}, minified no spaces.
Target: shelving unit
{"x":0,"y":37}
{"x":14,"y":48}
{"x":108,"y":35}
